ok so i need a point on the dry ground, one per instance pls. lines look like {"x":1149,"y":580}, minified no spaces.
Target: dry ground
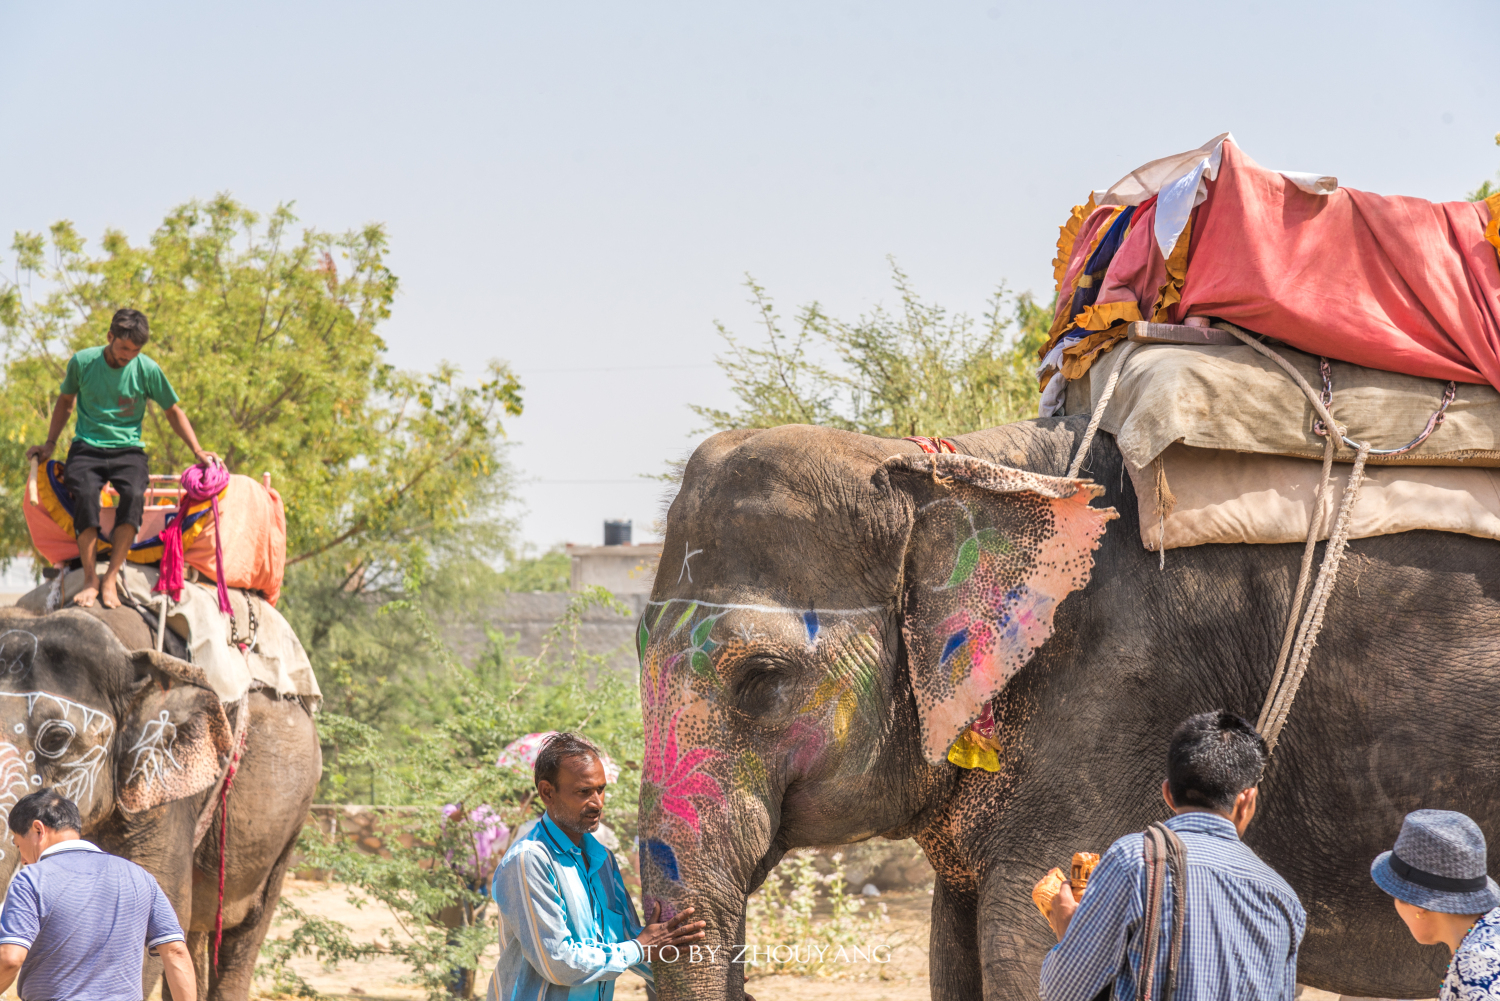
{"x":903,"y":979}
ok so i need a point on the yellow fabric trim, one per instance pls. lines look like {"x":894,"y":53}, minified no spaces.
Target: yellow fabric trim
{"x":1079,"y":358}
{"x":1102,"y":316}
{"x":1061,"y":325}
{"x":1067,"y":233}
{"x":51,"y":504}
{"x":196,"y":529}
{"x":970,"y":751}
{"x":1492,"y":228}
{"x":1170,"y":293}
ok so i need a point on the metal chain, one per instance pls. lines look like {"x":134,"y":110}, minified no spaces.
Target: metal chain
{"x":1433,"y":423}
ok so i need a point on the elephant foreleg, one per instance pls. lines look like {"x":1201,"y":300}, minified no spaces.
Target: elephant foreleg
{"x":240,"y":948}
{"x":197,"y":943}
{"x":1013,"y":938}
{"x":954,"y":969}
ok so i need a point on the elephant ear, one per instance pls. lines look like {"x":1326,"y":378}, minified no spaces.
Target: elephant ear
{"x":992,"y":551}
{"x":175,"y":734}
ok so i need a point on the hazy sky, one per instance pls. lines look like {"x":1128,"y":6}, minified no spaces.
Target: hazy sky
{"x":580,"y":188}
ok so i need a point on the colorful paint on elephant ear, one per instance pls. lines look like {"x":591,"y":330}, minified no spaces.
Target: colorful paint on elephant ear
{"x":988,"y":561}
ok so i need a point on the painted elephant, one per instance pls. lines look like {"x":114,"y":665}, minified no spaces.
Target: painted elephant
{"x":140,"y":742}
{"x":832,"y":610}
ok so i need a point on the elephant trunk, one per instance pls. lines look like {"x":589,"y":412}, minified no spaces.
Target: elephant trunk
{"x":710,"y":869}
{"x":713,"y":969}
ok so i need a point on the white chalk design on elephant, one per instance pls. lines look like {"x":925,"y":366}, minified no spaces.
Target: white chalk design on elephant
{"x":71,"y":739}
{"x":153,"y":752}
{"x":689,"y":553}
{"x":17,"y":648}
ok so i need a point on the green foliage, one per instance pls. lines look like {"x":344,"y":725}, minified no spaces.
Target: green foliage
{"x":1488,"y":188}
{"x":477,"y":709}
{"x":551,"y":571}
{"x":270,"y":339}
{"x":803,"y":911}
{"x":919,"y":371}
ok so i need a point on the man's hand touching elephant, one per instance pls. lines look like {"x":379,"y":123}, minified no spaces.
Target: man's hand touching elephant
{"x":677,"y":932}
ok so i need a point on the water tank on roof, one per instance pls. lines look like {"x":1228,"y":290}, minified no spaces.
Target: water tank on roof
{"x":617,"y":533}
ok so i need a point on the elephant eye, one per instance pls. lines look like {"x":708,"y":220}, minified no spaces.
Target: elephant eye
{"x":762,"y":687}
{"x":53,"y":737}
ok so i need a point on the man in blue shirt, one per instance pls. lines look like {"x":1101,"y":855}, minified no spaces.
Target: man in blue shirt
{"x":1243,"y":922}
{"x":111,"y":385}
{"x":77,"y":922}
{"x":568,"y":928}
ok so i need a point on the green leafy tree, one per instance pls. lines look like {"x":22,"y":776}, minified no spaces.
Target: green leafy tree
{"x":270,"y":333}
{"x":918,"y":370}
{"x":440,"y":906}
{"x":270,"y":338}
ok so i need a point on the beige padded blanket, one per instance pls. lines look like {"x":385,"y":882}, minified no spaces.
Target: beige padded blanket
{"x":274,"y":658}
{"x":1227,"y":497}
{"x":1232,"y":398}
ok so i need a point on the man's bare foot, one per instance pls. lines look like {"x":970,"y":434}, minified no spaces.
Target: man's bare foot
{"x":85,"y":598}
{"x":109,"y":597}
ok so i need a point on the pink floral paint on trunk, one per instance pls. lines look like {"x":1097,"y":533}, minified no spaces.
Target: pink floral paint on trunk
{"x":671,"y":777}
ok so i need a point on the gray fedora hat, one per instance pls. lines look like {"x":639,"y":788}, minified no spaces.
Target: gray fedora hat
{"x":1439,"y":864}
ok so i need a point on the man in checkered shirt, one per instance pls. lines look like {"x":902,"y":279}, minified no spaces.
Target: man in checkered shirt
{"x":1243,"y":923}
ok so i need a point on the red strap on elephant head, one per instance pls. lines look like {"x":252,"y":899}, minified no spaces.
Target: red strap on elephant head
{"x":932,"y":445}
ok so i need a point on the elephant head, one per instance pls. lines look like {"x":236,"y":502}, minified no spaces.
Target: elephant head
{"x":831,"y":612}
{"x":107,"y":728}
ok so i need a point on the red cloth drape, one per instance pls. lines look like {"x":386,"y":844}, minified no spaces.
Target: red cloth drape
{"x":1389,"y":282}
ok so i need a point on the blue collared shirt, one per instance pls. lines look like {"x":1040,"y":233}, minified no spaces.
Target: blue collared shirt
{"x":567,"y":926}
{"x":85,"y":919}
{"x":1244,"y":923}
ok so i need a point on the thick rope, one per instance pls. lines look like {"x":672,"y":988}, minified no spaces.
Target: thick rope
{"x":1287,"y":677}
{"x":1100,"y":407}
{"x":1277,"y":708}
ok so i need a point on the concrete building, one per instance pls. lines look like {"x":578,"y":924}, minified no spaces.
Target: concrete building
{"x":624,"y":569}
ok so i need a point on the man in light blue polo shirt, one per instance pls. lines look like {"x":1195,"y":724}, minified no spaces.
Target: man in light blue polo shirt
{"x":568,"y":928}
{"x":77,"y":921}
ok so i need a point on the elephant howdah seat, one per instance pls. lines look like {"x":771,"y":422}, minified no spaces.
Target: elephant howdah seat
{"x":253,"y":542}
{"x":1390,"y":305}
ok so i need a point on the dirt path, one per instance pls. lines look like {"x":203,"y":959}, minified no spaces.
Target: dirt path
{"x":904,"y":978}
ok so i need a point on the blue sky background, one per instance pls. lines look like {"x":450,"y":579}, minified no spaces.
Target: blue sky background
{"x":579,"y":188}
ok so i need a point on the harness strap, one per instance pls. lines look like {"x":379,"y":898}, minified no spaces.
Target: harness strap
{"x":1164,"y":852}
{"x":1155,"y":848}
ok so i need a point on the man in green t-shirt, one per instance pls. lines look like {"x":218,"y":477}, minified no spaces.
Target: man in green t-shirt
{"x":111,"y":385}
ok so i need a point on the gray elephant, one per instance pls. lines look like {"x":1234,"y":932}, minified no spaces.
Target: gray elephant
{"x":833,"y":610}
{"x":140,"y":742}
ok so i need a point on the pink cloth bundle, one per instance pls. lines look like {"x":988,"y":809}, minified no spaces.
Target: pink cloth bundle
{"x":198,"y":484}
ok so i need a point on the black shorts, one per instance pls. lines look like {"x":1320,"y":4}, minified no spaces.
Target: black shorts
{"x":89,"y":468}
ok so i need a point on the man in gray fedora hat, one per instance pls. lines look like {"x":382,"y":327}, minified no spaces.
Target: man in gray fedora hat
{"x":1437,"y":874}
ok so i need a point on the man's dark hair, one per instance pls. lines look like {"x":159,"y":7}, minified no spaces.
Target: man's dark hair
{"x":1213,"y":758}
{"x":130,"y":324}
{"x":559,"y":748}
{"x":49,"y":806}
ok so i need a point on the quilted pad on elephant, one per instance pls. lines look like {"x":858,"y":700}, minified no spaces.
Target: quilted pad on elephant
{"x":1234,"y":399}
